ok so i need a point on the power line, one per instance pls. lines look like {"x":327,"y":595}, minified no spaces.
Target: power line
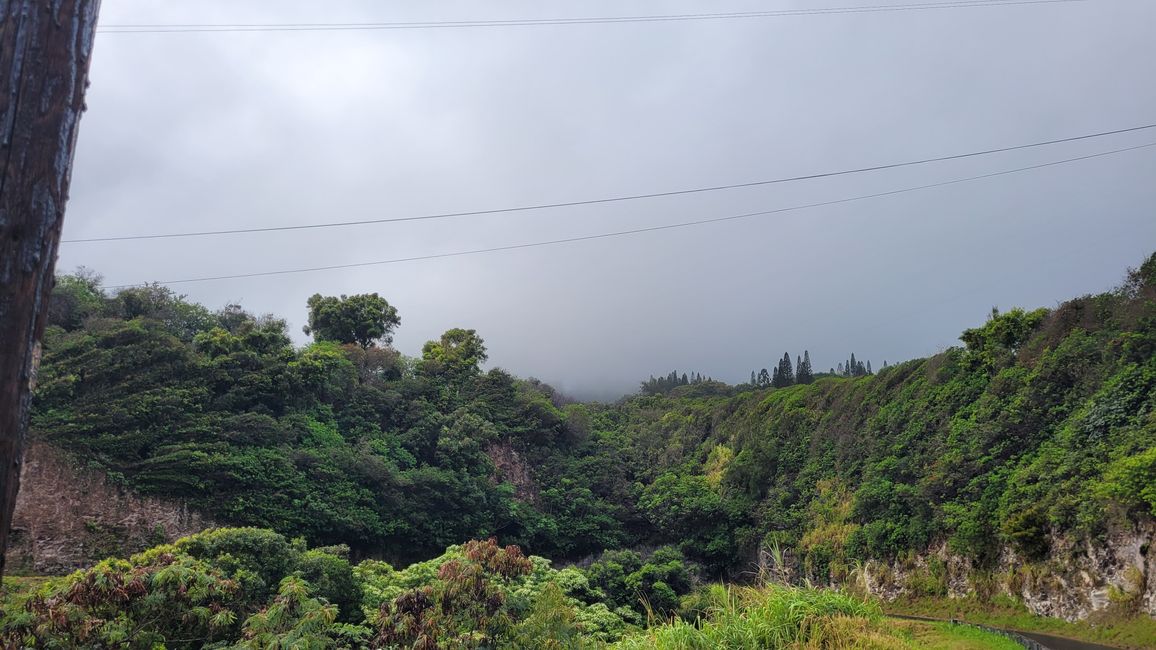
{"x":636,"y":231}
{"x":613,"y":199}
{"x":595,"y":20}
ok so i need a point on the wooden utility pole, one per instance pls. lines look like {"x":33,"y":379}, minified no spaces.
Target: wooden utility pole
{"x":45,"y":49}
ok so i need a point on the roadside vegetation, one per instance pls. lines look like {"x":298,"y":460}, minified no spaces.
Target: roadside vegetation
{"x":1115,"y":627}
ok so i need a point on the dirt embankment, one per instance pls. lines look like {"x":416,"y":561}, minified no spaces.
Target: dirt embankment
{"x":69,"y":517}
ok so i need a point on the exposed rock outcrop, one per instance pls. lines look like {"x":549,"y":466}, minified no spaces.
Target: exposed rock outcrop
{"x":1075,"y":581}
{"x":509,"y":467}
{"x":69,"y":517}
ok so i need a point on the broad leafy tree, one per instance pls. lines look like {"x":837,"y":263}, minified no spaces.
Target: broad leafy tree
{"x":365,"y":319}
{"x":458,"y":352}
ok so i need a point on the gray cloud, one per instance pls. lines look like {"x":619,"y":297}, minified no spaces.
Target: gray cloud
{"x":197,"y":131}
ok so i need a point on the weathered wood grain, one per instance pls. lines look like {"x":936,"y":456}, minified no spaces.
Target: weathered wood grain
{"x":45,"y":50}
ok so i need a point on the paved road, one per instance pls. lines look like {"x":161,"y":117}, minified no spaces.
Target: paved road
{"x":1062,"y":643}
{"x":1047,"y":640}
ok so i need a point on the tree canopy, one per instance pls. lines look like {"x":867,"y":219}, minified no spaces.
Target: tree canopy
{"x":364,"y":319}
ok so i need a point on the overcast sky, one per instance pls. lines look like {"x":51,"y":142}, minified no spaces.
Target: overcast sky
{"x":196,"y":131}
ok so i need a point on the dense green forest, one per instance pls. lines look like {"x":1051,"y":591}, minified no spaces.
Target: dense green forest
{"x":1042,"y":421}
{"x":1040,"y":424}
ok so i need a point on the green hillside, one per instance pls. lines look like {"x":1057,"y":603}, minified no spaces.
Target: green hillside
{"x":1039,"y":428}
{"x":1042,"y":421}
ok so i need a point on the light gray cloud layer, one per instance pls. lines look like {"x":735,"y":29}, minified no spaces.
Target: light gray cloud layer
{"x":206,"y":131}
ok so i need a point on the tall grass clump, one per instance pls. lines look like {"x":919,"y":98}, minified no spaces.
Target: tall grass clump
{"x":757,"y":618}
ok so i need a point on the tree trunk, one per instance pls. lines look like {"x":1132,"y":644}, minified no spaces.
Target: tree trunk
{"x":45,"y":48}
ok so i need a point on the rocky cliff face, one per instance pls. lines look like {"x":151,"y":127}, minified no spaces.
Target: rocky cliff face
{"x":69,"y":517}
{"x":1075,"y":581}
{"x":510,"y":467}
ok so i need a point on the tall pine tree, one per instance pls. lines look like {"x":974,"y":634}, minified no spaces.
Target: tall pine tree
{"x":784,"y":375}
{"x":805,"y":375}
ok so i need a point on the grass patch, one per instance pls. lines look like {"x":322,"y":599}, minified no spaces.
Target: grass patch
{"x":16,"y":585}
{"x":758,"y":618}
{"x":791,"y":618}
{"x":945,"y":636}
{"x":1135,"y":632}
{"x":16,"y":589}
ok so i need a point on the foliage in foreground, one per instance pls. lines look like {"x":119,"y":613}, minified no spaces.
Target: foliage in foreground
{"x":253,"y":588}
{"x":248,"y":588}
{"x":242,"y":584}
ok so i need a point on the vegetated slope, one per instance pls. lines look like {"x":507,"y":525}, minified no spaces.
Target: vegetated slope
{"x":1042,"y":423}
{"x":341,"y":443}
